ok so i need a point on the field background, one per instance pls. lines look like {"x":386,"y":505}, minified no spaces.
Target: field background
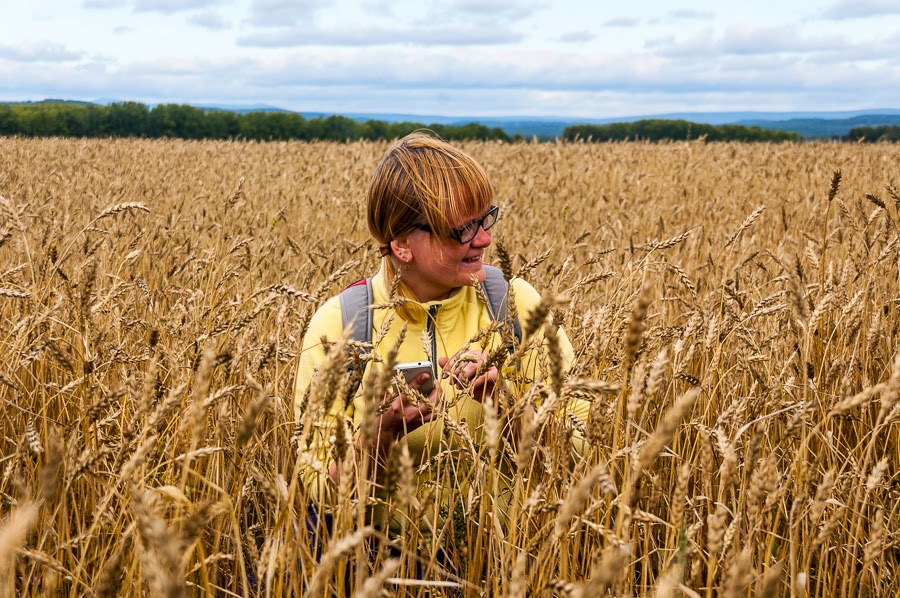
{"x":733,"y":308}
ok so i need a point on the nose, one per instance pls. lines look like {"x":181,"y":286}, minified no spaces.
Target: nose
{"x":482,"y":238}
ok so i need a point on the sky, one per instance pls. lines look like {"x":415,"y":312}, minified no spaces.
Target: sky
{"x":591,"y":59}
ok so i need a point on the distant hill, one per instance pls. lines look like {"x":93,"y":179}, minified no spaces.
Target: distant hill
{"x":52,"y":101}
{"x":821,"y":127}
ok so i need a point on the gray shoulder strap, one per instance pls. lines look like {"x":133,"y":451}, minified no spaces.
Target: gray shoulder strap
{"x":496,"y":289}
{"x":355,"y":312}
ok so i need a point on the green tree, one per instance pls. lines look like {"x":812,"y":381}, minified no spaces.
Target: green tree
{"x":874,"y":134}
{"x":9,"y":125}
{"x":180,"y":121}
{"x":127,"y":119}
{"x":222,"y":124}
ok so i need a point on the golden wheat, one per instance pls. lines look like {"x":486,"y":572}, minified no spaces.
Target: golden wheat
{"x":742,"y":373}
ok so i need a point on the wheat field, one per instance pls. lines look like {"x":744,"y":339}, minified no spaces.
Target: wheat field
{"x":733,"y":309}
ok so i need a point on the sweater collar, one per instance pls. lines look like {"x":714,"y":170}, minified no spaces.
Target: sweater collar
{"x":381,"y":290}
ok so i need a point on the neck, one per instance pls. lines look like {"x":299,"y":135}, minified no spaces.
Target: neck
{"x":419,"y":290}
{"x":423,"y":294}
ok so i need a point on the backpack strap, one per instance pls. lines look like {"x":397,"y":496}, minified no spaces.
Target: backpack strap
{"x":355,"y":312}
{"x":496,"y":289}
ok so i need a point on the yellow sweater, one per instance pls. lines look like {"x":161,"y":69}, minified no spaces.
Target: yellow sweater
{"x":457,"y":320}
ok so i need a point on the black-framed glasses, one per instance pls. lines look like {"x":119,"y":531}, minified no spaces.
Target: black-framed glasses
{"x":467,"y":232}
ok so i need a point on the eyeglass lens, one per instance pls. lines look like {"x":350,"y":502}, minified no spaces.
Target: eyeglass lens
{"x":469,"y":232}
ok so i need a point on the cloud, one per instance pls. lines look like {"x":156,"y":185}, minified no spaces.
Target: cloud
{"x":511,"y":9}
{"x":622,"y":22}
{"x":445,"y":81}
{"x":181,"y":68}
{"x":743,"y":39}
{"x":678,"y":16}
{"x":172,"y":6}
{"x":167,"y":7}
{"x":283,"y":13}
{"x":388,"y":68}
{"x":383,"y":8}
{"x":860,"y":9}
{"x":691,"y":15}
{"x":418,"y":36}
{"x":104,"y":4}
{"x":38,"y":52}
{"x":577,"y":36}
{"x":210,"y":20}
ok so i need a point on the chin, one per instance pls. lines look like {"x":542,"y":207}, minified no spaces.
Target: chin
{"x":479,"y":275}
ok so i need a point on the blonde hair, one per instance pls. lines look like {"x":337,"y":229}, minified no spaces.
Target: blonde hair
{"x":422,"y":179}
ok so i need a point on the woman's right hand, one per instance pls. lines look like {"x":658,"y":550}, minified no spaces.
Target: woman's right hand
{"x":403,"y":416}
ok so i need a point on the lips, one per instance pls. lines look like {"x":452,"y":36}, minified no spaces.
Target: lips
{"x":472,"y":260}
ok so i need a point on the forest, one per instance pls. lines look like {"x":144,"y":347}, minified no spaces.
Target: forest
{"x":179,"y":121}
{"x":674,"y":130}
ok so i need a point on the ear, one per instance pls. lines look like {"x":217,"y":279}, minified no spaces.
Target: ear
{"x":400,"y":248}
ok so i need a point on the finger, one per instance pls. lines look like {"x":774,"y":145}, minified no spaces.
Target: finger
{"x":434,"y":397}
{"x":459,"y":381}
{"x":469,"y":370}
{"x":420,"y":415}
{"x":420,"y":381}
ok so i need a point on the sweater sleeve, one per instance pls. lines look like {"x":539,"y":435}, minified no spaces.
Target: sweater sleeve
{"x":535,"y":364}
{"x":527,"y":300}
{"x":325,"y":327}
{"x":325,"y":324}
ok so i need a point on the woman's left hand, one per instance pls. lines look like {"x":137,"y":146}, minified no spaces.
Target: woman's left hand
{"x":462,"y":368}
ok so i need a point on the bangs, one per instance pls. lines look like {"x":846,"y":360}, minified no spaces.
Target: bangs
{"x":421,"y":180}
{"x":452,"y":189}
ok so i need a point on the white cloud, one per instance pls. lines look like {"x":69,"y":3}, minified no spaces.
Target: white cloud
{"x":446,"y":81}
{"x":383,"y":8}
{"x":857,"y":9}
{"x":456,"y":56}
{"x":181,"y":68}
{"x":38,"y":52}
{"x":691,"y":15}
{"x":745,"y":39}
{"x":172,"y":6}
{"x":511,"y":9}
{"x":623,"y":22}
{"x":419,"y":36}
{"x":167,"y":7}
{"x":104,"y":4}
{"x":284,"y":13}
{"x":210,"y":20}
{"x":574,"y":37}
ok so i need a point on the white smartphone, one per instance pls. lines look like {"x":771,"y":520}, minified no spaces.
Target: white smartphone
{"x":413,"y":369}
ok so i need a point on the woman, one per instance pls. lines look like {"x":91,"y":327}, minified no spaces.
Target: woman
{"x":430,"y":209}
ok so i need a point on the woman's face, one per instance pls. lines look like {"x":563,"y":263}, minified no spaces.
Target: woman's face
{"x":440,"y":265}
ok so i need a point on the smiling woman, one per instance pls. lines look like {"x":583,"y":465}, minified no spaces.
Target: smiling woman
{"x":430,"y":210}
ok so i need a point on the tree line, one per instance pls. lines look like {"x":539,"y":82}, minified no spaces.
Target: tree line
{"x":133,"y":119}
{"x":673,"y":130}
{"x":874,"y":134}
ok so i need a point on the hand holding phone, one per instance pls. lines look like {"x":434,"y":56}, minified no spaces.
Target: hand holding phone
{"x":413,"y":369}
